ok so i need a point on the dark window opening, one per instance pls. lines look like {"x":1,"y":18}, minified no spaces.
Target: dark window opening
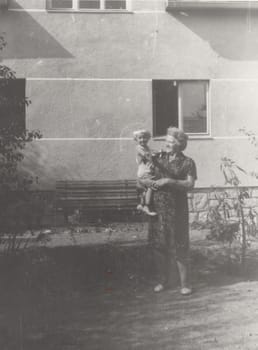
{"x":115,"y":4}
{"x":165,"y":106}
{"x":89,"y":4}
{"x":62,"y":4}
{"x":180,"y":103}
{"x":12,"y":105}
{"x":77,"y":5}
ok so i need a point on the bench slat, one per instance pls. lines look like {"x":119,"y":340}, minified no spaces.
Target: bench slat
{"x":97,"y":195}
{"x":95,"y":183}
{"x":98,"y":205}
{"x":96,"y":189}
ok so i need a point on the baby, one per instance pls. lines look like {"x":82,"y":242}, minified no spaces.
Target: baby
{"x":146,"y":169}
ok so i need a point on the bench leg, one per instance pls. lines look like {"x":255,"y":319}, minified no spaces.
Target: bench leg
{"x":65,"y":211}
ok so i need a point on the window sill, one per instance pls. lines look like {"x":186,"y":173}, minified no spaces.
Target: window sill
{"x":190,"y":137}
{"x":89,"y":11}
{"x":207,"y":4}
{"x":199,"y":137}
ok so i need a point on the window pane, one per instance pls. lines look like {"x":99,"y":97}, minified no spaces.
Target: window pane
{"x":115,"y":4}
{"x":194,"y":106}
{"x":165,"y":106}
{"x":89,"y":4}
{"x":62,"y":4}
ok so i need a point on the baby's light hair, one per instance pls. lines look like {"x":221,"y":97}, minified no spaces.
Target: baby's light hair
{"x":144,"y":132}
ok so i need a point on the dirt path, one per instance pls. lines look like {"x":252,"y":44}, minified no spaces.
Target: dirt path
{"x":218,"y":317}
{"x":100,"y":297}
{"x":213,"y":318}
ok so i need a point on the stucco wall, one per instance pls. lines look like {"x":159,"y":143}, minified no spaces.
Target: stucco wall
{"x":108,"y":159}
{"x":104,"y":108}
{"x":77,"y":109}
{"x":89,"y":77}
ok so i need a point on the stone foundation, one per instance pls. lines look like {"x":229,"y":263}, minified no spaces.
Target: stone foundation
{"x":202,"y":199}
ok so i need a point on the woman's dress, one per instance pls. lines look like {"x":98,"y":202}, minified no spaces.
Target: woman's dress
{"x":169,"y":232}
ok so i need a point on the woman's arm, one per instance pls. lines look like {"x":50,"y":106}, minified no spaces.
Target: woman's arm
{"x":186,"y":185}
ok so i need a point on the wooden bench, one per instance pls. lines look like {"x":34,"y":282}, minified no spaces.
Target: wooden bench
{"x":96,"y":197}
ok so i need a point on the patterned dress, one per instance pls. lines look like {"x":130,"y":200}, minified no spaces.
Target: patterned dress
{"x":169,"y":233}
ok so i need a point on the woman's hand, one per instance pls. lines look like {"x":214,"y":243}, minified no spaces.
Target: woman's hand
{"x":158,"y":184}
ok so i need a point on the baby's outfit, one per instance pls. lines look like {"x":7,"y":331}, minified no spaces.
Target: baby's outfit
{"x":146,"y":169}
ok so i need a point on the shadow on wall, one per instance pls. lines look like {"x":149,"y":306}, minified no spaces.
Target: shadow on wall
{"x":36,"y":165}
{"x":26,"y":38}
{"x":232,"y":33}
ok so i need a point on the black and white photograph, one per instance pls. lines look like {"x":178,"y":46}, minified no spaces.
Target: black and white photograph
{"x":128,"y":174}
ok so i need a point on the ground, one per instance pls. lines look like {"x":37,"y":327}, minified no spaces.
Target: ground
{"x":94,"y":290}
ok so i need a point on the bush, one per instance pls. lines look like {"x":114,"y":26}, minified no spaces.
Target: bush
{"x":15,"y":184}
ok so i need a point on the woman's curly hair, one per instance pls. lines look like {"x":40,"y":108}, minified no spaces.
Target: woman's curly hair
{"x":179,"y":135}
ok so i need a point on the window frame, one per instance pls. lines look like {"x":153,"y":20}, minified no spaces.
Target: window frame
{"x":192,"y":135}
{"x":76,"y":8}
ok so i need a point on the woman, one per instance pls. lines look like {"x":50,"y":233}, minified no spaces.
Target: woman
{"x":170,"y":233}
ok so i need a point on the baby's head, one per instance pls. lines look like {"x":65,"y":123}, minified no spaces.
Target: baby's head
{"x":142,"y":137}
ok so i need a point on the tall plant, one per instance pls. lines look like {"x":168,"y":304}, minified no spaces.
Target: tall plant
{"x":14,"y":183}
{"x":229,"y":214}
{"x":231,"y":171}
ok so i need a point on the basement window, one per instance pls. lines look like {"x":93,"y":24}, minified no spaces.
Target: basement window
{"x":88,"y":5}
{"x":179,"y":103}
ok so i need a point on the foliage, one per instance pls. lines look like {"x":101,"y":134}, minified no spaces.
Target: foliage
{"x":222,"y":227}
{"x":14,"y":138}
{"x":232,"y":217}
{"x":253,"y":140}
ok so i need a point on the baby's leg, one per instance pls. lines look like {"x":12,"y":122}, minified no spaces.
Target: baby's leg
{"x":148,"y":202}
{"x":148,"y":196}
{"x":143,"y":198}
{"x":141,"y":195}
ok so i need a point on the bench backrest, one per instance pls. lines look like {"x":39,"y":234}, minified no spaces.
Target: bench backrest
{"x":113,"y":194}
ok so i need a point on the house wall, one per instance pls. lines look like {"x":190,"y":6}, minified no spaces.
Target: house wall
{"x":89,"y":76}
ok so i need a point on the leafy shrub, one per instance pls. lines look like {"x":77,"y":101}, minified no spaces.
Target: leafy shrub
{"x":15,"y":196}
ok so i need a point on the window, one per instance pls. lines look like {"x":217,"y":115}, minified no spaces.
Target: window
{"x":12,"y":106}
{"x":87,"y":5}
{"x":182,"y":104}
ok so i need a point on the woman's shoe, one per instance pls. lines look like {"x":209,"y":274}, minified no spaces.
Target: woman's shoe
{"x":158,"y":288}
{"x":185,"y":291}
